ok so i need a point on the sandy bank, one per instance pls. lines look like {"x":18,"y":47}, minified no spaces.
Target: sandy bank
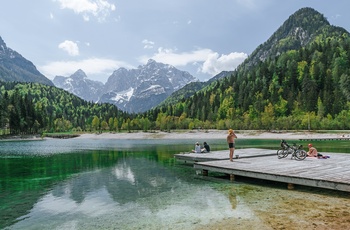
{"x":213,"y":134}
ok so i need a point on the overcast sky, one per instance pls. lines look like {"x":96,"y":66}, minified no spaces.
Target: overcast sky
{"x":202,"y":37}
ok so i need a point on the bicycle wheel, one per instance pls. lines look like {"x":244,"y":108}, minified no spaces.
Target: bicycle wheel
{"x":300,"y":155}
{"x":281,"y":153}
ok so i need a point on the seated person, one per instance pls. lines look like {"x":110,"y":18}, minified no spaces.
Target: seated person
{"x":197,"y":148}
{"x":206,"y":148}
{"x":312,"y":151}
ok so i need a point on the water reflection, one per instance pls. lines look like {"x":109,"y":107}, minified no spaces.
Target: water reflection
{"x":232,"y":196}
{"x":70,"y":183}
{"x":133,"y":193}
{"x":123,"y":172}
{"x":182,"y":207}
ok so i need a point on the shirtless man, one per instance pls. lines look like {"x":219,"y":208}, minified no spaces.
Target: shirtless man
{"x":231,"y":142}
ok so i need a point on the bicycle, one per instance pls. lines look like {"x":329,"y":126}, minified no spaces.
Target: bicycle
{"x":297,"y":151}
{"x":284,"y":150}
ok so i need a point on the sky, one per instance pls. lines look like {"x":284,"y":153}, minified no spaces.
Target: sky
{"x":203,"y":37}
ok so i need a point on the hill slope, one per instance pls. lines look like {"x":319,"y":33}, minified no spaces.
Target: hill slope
{"x":33,"y":108}
{"x":297,"y":31}
{"x":191,"y":88}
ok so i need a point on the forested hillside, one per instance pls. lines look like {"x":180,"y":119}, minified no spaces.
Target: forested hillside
{"x":28,"y":108}
{"x":304,"y":85}
{"x":190,"y":89}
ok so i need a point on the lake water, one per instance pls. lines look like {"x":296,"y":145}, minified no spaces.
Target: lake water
{"x":128,"y":184}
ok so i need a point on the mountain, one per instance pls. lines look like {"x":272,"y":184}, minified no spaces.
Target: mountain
{"x":191,"y":88}
{"x":14,"y":67}
{"x":134,"y":90}
{"x":296,"y":32}
{"x":123,"y":87}
{"x":80,"y":85}
{"x":298,"y":79}
{"x":138,"y":90}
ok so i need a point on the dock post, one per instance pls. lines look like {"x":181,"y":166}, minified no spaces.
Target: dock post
{"x":205,"y":172}
{"x":232,"y":177}
{"x":290,"y":186}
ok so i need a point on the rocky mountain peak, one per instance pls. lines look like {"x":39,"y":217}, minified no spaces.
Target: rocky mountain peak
{"x":80,"y":85}
{"x":151,"y":61}
{"x":3,"y":46}
{"x":296,"y":32}
{"x":6,"y":52}
{"x":137,"y":90}
{"x":14,"y":67}
{"x":79,"y":75}
{"x":132,"y":90}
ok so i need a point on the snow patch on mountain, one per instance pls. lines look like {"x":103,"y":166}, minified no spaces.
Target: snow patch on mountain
{"x":123,"y":96}
{"x":133,"y":90}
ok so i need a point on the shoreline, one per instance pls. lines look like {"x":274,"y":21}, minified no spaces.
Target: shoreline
{"x":195,"y":134}
{"x":216,"y":134}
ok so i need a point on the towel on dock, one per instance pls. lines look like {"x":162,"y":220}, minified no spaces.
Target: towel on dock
{"x":320,"y":156}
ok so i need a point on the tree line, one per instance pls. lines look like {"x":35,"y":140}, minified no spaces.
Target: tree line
{"x":31,"y":108}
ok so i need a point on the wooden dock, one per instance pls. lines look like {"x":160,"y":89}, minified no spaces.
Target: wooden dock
{"x":332,"y":173}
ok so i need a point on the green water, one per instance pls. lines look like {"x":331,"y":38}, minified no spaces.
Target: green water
{"x":116,"y":184}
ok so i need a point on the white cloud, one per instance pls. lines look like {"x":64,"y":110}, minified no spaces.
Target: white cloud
{"x":97,"y":8}
{"x":93,"y":66}
{"x":169,"y":56}
{"x":215,"y":63}
{"x":70,"y":47}
{"x":210,"y":62}
{"x":147,"y":44}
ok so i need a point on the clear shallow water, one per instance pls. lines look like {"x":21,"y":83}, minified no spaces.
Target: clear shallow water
{"x":114,"y":184}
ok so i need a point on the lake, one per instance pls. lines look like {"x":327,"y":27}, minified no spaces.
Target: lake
{"x":137,"y":184}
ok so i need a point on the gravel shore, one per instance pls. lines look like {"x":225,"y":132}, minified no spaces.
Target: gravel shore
{"x":215,"y":134}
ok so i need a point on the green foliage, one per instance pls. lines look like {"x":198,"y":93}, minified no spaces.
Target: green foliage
{"x":28,"y":108}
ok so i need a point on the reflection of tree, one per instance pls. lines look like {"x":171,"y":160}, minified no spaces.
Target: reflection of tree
{"x":130,"y":178}
{"x":149,"y":179}
{"x":14,"y":204}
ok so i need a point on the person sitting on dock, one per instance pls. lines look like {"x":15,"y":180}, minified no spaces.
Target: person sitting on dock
{"x":197,"y":148}
{"x":312,"y":151}
{"x":206,"y":148}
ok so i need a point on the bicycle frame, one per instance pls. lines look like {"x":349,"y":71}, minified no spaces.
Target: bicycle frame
{"x":297,"y":152}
